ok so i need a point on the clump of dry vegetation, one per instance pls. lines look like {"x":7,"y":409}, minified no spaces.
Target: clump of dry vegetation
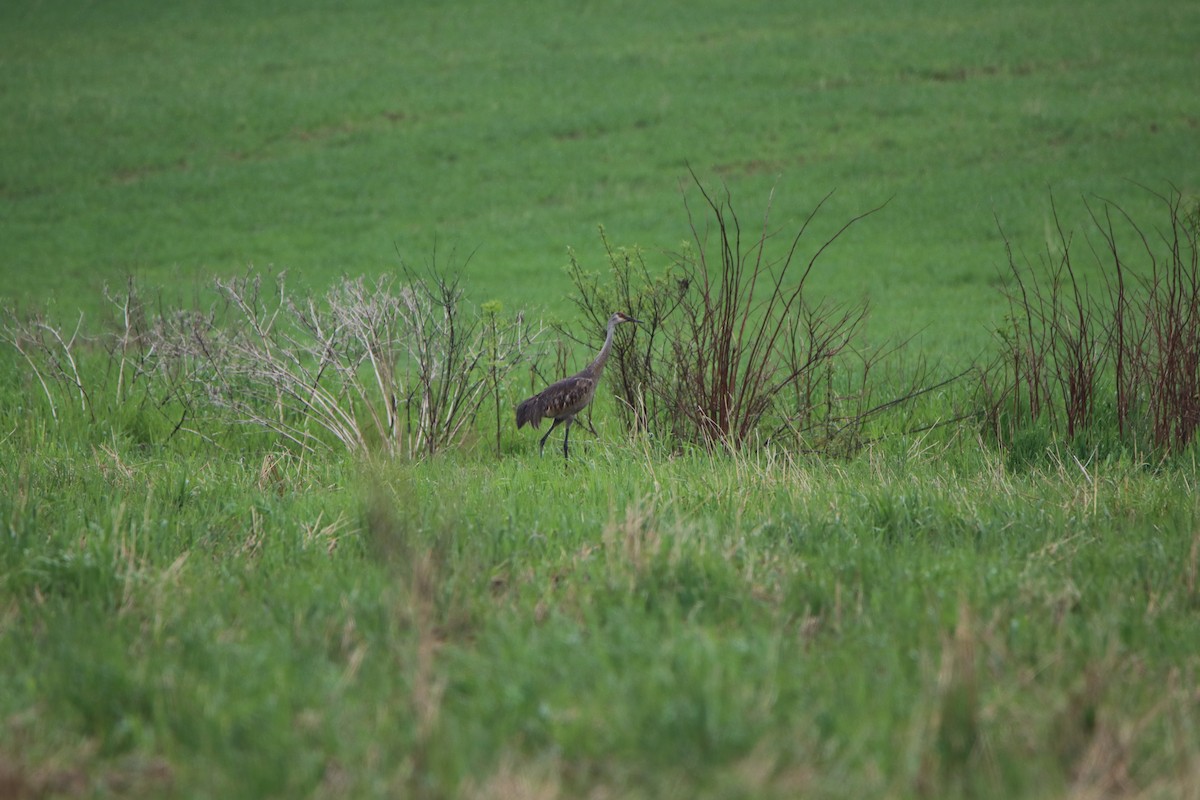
{"x":399,"y":366}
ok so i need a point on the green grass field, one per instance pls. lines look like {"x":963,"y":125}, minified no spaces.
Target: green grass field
{"x":215,"y":612}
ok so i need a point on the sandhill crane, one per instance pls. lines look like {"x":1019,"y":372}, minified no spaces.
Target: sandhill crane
{"x":566,"y":398}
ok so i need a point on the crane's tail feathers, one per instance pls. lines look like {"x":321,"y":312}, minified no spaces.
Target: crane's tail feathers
{"x":528,"y":411}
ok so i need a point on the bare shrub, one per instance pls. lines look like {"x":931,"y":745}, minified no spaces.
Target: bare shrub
{"x":150,"y":365}
{"x":1054,"y":343}
{"x":1124,"y":361}
{"x":136,"y":361}
{"x":732,"y":348}
{"x":739,"y":350}
{"x":51,"y":354}
{"x":1159,"y":355}
{"x":367,"y":364}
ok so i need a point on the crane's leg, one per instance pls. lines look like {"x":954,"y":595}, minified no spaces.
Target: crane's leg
{"x":542,"y":443}
{"x":566,"y":436}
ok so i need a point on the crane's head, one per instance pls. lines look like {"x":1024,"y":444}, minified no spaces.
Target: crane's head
{"x":619,"y":317}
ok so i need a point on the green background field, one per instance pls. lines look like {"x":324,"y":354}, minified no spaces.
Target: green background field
{"x":221,"y":616}
{"x":173,"y":141}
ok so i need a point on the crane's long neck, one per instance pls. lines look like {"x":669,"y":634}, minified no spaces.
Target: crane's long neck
{"x":597,"y":366}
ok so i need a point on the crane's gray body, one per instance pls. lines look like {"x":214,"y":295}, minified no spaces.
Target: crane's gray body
{"x":562,"y":400}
